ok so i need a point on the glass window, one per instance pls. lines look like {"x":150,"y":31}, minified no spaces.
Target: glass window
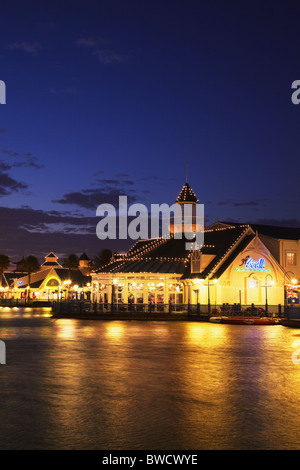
{"x":291,"y":258}
{"x":253,"y":283}
{"x":196,"y":262}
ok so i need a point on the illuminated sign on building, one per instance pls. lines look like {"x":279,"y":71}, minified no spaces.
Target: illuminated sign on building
{"x":251,"y":265}
{"x":257,"y":265}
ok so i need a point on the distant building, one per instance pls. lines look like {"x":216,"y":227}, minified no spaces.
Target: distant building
{"x":51,"y":261}
{"x":51,"y":282}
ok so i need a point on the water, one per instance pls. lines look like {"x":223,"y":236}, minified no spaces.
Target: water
{"x":71,"y":384}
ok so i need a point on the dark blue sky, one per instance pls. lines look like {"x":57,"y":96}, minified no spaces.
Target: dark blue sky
{"x":113,"y":97}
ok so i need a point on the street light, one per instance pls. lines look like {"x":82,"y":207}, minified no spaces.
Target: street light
{"x":67,"y":284}
{"x":208,"y":292}
{"x":293,"y":280}
{"x":266,"y":286}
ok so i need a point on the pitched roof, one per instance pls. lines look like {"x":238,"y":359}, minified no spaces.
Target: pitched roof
{"x":51,"y":255}
{"x":225,"y":244}
{"x":36,"y":279}
{"x":84,"y":257}
{"x":169,"y":255}
{"x":186,"y":194}
{"x":274,"y":231}
{"x":9,"y":277}
{"x":160,"y":255}
{"x":50,"y":263}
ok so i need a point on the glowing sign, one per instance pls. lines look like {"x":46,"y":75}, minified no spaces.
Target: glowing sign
{"x":256,"y":265}
{"x":251,"y":265}
{"x":20,"y":282}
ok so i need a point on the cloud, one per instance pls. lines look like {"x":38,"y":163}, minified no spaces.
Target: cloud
{"x":252,"y":203}
{"x":248,"y":203}
{"x":101,"y":49}
{"x":107,"y":191}
{"x":87,"y":42}
{"x":25,"y":231}
{"x":29,"y":47}
{"x":3,"y":131}
{"x":108,"y":57}
{"x":11,"y":153}
{"x":4,"y":166}
{"x":293,"y":223}
{"x":67,"y":90}
{"x":27,"y":159}
{"x":92,"y":198}
{"x":9,"y":185}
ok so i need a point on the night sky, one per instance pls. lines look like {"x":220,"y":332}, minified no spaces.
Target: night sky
{"x":108,"y":98}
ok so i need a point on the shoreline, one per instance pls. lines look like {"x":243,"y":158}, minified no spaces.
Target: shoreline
{"x":131,"y":317}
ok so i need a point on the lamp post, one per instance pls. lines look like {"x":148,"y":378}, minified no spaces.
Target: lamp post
{"x":266,"y":286}
{"x":67,"y":284}
{"x":293,"y":280}
{"x":208,"y":292}
{"x":197,"y":294}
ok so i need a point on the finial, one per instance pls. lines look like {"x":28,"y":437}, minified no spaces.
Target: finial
{"x":186,"y":172}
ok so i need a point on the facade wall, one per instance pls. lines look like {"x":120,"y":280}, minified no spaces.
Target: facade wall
{"x":253,"y":283}
{"x":137,"y":288}
{"x":254,"y":277}
{"x":290,"y":257}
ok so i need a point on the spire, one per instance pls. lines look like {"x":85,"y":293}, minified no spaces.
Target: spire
{"x":186,"y":195}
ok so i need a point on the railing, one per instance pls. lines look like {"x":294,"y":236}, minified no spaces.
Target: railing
{"x":77,"y":306}
{"x":292,"y":311}
{"x":161,"y":308}
{"x":24,"y":302}
{"x":105,"y":308}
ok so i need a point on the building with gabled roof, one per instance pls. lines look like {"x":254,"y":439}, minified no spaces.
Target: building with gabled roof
{"x":51,"y":261}
{"x":234,"y":265}
{"x":51,"y":282}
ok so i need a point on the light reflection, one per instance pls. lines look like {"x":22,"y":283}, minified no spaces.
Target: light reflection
{"x":114,"y":330}
{"x":66,"y":329}
{"x":199,"y":332}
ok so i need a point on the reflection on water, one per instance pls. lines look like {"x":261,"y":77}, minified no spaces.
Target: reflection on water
{"x":71,"y":384}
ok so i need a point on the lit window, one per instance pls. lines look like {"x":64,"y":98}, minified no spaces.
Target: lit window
{"x":196,"y":262}
{"x":291,"y":258}
{"x":253,"y":283}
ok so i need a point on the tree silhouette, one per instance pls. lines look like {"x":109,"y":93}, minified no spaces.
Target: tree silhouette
{"x":4,"y":263}
{"x":31,"y":265}
{"x":71,"y":262}
{"x":103,"y":258}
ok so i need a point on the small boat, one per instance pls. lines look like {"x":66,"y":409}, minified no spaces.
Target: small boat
{"x":242,"y":320}
{"x":217,"y":319}
{"x":292,"y":322}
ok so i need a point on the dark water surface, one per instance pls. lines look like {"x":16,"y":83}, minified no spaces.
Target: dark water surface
{"x":71,"y":384}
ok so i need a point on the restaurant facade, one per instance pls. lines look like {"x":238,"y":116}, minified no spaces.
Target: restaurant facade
{"x":235,"y":266}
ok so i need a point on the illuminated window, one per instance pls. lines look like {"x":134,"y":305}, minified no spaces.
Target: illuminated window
{"x":196,"y":262}
{"x":52,"y":283}
{"x":291,"y":258}
{"x":253,"y":283}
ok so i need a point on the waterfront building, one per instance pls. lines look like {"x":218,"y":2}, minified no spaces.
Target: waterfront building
{"x":236,"y":265}
{"x":51,"y":282}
